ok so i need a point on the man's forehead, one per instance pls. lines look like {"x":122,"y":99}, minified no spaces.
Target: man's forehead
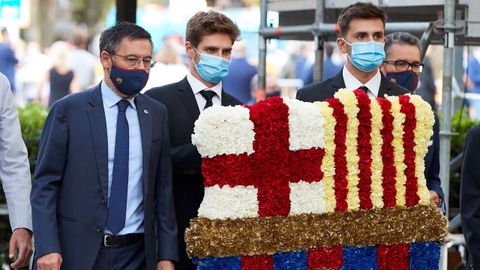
{"x":374,"y":25}
{"x":132,"y":46}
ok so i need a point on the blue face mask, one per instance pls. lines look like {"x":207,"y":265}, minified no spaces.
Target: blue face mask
{"x":128,"y":81}
{"x":212,"y":69}
{"x":366,"y":56}
{"x":408,"y":79}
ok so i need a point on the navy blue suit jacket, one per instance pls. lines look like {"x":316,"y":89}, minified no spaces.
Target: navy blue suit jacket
{"x":326,"y":89}
{"x":69,"y":191}
{"x":470,"y":195}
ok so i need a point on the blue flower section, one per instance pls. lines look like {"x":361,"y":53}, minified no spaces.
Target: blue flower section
{"x":217,"y":263}
{"x":355,"y":258}
{"x":424,"y":256}
{"x":290,"y":261}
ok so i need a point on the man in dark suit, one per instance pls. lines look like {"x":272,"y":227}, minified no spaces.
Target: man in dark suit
{"x":102,"y":193}
{"x":402,"y":65}
{"x":209,"y":40}
{"x":469,"y":196}
{"x":362,"y":30}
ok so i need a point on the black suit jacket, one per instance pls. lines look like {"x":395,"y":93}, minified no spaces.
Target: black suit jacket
{"x":470,"y":195}
{"x":326,"y":89}
{"x":70,"y":185}
{"x":188,"y":186}
{"x":320,"y":91}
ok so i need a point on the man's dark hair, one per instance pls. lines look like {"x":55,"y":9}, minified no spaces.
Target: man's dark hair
{"x":401,"y":38}
{"x":359,"y":10}
{"x":111,"y":38}
{"x":207,"y":23}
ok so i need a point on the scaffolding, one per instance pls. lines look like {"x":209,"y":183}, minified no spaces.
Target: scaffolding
{"x":447,"y":22}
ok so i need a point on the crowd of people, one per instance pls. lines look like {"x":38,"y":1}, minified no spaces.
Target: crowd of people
{"x":118,"y":179}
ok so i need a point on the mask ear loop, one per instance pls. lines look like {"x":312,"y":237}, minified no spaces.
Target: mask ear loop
{"x":348,"y":55}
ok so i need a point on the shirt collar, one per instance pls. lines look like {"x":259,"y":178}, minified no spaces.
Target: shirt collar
{"x":352,"y":83}
{"x":110,"y":98}
{"x":198,"y":86}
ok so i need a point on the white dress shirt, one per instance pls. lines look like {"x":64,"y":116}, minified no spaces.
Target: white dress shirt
{"x":134,"y":215}
{"x":352,"y":83}
{"x":198,"y":86}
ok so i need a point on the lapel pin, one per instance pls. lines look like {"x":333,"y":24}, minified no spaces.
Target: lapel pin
{"x":145,"y":111}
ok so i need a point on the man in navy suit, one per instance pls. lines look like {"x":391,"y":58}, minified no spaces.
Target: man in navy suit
{"x":102,"y":192}
{"x":209,"y":40}
{"x":402,"y":65}
{"x":362,"y":30}
{"x":469,"y":196}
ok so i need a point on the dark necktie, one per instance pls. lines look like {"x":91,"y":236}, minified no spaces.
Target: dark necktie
{"x":364,"y":88}
{"x":208,"y":95}
{"x":118,"y":192}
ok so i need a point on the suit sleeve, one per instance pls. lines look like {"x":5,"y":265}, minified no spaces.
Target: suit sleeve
{"x":432,"y":176}
{"x":469,"y":195}
{"x":51,"y":161}
{"x":167,"y":224}
{"x":14,"y":166}
{"x":299,"y":95}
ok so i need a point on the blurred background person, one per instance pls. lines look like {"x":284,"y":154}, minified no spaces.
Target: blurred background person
{"x":169,"y":67}
{"x":83,"y":63}
{"x":238,"y":82}
{"x":331,"y":65}
{"x":8,"y":60}
{"x":61,"y":79}
{"x":473,"y":83}
{"x":30,"y":73}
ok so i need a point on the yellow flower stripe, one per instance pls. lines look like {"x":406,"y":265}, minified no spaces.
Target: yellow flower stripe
{"x":377,"y":161}
{"x":349,"y":100}
{"x":328,"y":163}
{"x":398,"y":150}
{"x":423,"y":133}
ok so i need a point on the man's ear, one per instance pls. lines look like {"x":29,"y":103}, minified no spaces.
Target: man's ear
{"x":106,"y":59}
{"x":189,"y":50}
{"x":342,"y":45}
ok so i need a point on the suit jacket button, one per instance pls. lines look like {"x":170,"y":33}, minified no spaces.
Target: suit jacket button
{"x":99,"y":229}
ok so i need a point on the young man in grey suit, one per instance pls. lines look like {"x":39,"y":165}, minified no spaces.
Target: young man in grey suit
{"x":362,"y":31}
{"x":15,"y":177}
{"x":102,"y":192}
{"x":209,"y":40}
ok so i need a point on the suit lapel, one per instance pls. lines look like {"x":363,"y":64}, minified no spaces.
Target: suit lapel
{"x":385,"y":86}
{"x":337,"y":83}
{"x":98,"y":127}
{"x":188,"y":99}
{"x":145,"y":122}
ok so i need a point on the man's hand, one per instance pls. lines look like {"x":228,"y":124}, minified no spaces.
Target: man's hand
{"x":165,"y":265}
{"x":21,"y":240}
{"x":50,"y":261}
{"x":434,"y":198}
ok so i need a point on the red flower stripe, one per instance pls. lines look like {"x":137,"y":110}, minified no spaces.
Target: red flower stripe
{"x":364,"y":149}
{"x":325,"y":258}
{"x":306,"y":165}
{"x":408,"y":109}
{"x":271,"y":143}
{"x":229,"y":170}
{"x":256,"y":262}
{"x":389,"y":171}
{"x":393,"y":257}
{"x":341,"y":171}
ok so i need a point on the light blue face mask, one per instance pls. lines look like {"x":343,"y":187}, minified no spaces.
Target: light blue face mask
{"x":366,"y":56}
{"x":212,"y":69}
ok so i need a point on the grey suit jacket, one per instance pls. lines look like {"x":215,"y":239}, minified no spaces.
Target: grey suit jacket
{"x":14,"y":166}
